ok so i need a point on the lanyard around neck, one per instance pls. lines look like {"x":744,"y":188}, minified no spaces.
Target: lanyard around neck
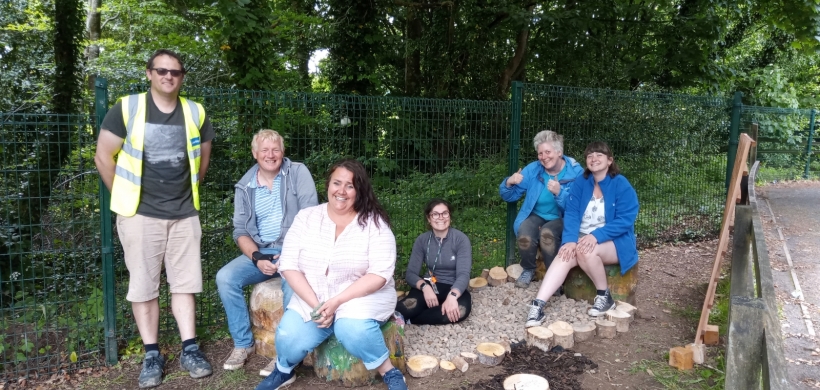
{"x":427,"y":254}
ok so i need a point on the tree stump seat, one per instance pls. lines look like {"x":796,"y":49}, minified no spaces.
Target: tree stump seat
{"x":266,"y":310}
{"x":579,"y":286}
{"x":332,"y":361}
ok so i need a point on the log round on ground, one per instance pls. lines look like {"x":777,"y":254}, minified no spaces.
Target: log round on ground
{"x":477,"y":284}
{"x":469,"y":357}
{"x":421,"y":366}
{"x":497,"y":276}
{"x":562,"y":334}
{"x":513,"y":272}
{"x":539,"y":337}
{"x":447,"y":365}
{"x":460,"y":363}
{"x":525,"y":382}
{"x":626,"y":308}
{"x":605,"y":328}
{"x":490,"y":354}
{"x":485,"y":273}
{"x":583,"y":331}
{"x":620,"y":319}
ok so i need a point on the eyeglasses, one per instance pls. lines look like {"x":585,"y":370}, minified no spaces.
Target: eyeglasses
{"x":435,"y":215}
{"x":174,"y":72}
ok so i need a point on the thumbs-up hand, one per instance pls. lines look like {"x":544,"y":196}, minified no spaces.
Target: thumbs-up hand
{"x":515,"y":178}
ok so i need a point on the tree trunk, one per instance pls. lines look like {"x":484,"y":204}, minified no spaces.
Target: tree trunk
{"x":93,"y":31}
{"x":412,"y":60}
{"x":516,"y":62}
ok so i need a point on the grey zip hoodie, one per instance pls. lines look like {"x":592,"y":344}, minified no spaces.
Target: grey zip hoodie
{"x":298,"y":192}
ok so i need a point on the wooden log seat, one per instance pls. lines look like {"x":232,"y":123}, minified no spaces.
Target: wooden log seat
{"x":335,"y":364}
{"x":578,"y":286}
{"x":266,"y":311}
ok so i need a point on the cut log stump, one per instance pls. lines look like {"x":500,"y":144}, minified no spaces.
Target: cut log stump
{"x":497,"y":276}
{"x":578,"y":286}
{"x":266,"y":311}
{"x":469,"y":357}
{"x":490,"y":354}
{"x":477,"y":284}
{"x":513,"y":272}
{"x":584,"y":331}
{"x":447,"y":365}
{"x":626,"y":308}
{"x":605,"y":329}
{"x":460,"y":363}
{"x":562,"y":334}
{"x":525,"y":382}
{"x":539,"y":337}
{"x":620,"y":319}
{"x":421,"y":366}
{"x":335,"y":364}
{"x":681,"y":358}
{"x":485,"y":273}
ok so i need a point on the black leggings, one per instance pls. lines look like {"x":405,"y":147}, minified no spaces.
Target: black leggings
{"x":414,"y":308}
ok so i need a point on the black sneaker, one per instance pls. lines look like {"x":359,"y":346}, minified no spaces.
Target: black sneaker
{"x":194,"y":362}
{"x":536,"y":315}
{"x":276,"y":380}
{"x":152,"y":366}
{"x":603,"y":303}
{"x":525,"y":278}
{"x":394,"y":380}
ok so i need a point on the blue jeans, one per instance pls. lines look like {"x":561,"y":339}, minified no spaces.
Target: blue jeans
{"x":231,"y":281}
{"x":295,"y":338}
{"x":537,"y":233}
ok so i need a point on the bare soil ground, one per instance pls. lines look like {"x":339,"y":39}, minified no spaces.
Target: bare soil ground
{"x":672,"y":284}
{"x":796,"y":214}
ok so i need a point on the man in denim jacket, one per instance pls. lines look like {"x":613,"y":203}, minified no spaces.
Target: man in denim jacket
{"x":266,"y":201}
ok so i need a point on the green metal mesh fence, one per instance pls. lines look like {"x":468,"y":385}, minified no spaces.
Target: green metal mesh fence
{"x":414,"y":150}
{"x":672,"y":148}
{"x":51,"y":299}
{"x":783,"y":139}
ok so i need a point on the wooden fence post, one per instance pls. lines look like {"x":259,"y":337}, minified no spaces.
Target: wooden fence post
{"x":744,"y":349}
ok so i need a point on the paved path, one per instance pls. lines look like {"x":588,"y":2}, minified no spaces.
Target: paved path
{"x":796,"y":222}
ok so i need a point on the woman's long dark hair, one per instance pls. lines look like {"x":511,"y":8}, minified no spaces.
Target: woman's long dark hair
{"x":601,"y":147}
{"x":366,"y":203}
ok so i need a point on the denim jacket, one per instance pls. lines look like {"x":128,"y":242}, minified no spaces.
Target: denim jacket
{"x":298,"y":192}
{"x":533,"y":184}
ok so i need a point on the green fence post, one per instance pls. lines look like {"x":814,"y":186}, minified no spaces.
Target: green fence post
{"x":734,"y":136}
{"x":515,"y":144}
{"x":808,"y":144}
{"x":109,"y":301}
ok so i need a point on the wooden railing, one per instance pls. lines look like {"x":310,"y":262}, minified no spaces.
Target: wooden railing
{"x":754,"y":351}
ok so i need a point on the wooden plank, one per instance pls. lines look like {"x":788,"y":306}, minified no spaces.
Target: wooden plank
{"x":744,"y":347}
{"x":743,"y":147}
{"x":741,"y":244}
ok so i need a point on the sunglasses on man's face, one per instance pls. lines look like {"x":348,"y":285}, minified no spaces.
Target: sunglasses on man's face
{"x":163,"y":72}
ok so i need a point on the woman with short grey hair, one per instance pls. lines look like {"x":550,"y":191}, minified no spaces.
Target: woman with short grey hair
{"x":545,"y":182}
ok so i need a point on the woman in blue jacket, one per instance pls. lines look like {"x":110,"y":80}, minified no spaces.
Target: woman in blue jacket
{"x":546,"y":183}
{"x":599,"y":230}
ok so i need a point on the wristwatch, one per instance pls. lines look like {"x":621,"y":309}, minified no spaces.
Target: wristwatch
{"x":453,"y":293}
{"x":422,"y":286}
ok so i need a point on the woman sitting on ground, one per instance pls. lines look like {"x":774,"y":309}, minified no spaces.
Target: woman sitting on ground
{"x":339,"y":258}
{"x":441,"y":297}
{"x":599,"y":230}
{"x":546,"y":183}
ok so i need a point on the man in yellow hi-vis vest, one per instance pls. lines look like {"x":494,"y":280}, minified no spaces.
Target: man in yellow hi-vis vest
{"x":162,"y":144}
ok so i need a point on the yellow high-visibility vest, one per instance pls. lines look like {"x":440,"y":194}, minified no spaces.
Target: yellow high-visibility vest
{"x":125,"y":192}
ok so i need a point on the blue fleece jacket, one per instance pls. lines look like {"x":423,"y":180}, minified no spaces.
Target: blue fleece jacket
{"x":533,"y":184}
{"x":621,"y":210}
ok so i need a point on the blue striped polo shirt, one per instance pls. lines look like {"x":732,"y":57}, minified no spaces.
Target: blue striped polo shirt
{"x":268,"y":206}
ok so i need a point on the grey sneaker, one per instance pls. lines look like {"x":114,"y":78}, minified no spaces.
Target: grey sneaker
{"x":194,"y":362}
{"x":238,"y":358}
{"x":536,"y":315}
{"x":152,"y":366}
{"x":269,"y":368}
{"x":525,"y":278}
{"x":603,"y":303}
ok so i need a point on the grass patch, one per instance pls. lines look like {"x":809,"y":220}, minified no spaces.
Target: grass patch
{"x":701,"y":377}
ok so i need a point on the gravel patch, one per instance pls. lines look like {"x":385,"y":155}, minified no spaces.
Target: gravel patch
{"x":498,"y":313}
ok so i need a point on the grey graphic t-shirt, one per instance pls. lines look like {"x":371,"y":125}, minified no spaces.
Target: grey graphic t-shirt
{"x":166,"y":173}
